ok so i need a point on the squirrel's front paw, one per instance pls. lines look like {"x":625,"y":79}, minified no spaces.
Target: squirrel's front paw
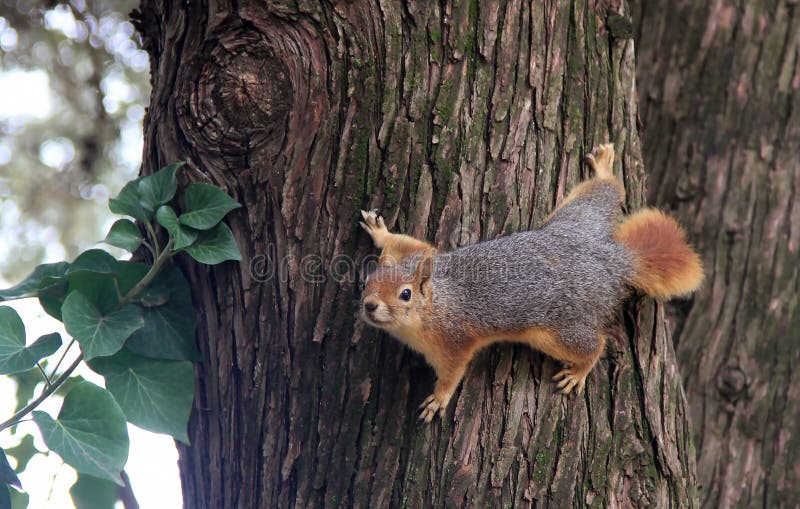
{"x":374,"y":225}
{"x":431,"y":406}
{"x":571,"y":377}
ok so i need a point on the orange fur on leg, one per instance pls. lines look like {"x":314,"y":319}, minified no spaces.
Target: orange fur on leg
{"x":603,"y":165}
{"x":577,"y":366}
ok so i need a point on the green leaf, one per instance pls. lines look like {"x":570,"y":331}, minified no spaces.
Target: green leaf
{"x":7,"y":474}
{"x":88,"y":270}
{"x":101,"y":279}
{"x":14,"y":355}
{"x":100,"y":289}
{"x":23,"y":452}
{"x":19,"y":500}
{"x":183,"y":235}
{"x":93,"y":260}
{"x":154,"y":394}
{"x":93,"y":274}
{"x":68,"y":385}
{"x":168,"y":331}
{"x":125,"y":235}
{"x":52,"y":297}
{"x":90,"y":492}
{"x":128,"y":203}
{"x":90,"y":433}
{"x":99,"y":334}
{"x":128,"y":274}
{"x":215,"y":246}
{"x":158,"y":188}
{"x":29,"y":286}
{"x":206,"y":205}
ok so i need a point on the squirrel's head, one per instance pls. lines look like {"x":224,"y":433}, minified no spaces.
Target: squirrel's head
{"x":395,"y":296}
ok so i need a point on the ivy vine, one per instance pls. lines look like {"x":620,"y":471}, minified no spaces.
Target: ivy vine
{"x":131,"y":322}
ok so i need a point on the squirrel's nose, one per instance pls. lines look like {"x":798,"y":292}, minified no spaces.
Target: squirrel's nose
{"x":370,"y":306}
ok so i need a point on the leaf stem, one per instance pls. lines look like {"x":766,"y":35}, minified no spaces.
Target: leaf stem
{"x":45,"y":393}
{"x":153,"y":239}
{"x":141,"y":285}
{"x":63,"y":355}
{"x":44,"y":375}
{"x":149,"y":248}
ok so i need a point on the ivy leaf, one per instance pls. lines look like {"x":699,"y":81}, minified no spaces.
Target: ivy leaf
{"x":90,"y":433}
{"x":7,"y":474}
{"x":215,"y":246}
{"x":125,"y":235}
{"x":183,"y":235}
{"x":93,"y":260}
{"x":128,"y":203}
{"x":29,"y":286}
{"x":130,"y":273}
{"x":19,"y":500}
{"x":93,"y":274}
{"x":100,"y":278}
{"x":68,"y":385}
{"x":206,"y":205}
{"x":14,"y":355}
{"x":99,"y":334}
{"x":158,"y":188}
{"x":90,"y":492}
{"x":168,"y":331}
{"x":154,"y":394}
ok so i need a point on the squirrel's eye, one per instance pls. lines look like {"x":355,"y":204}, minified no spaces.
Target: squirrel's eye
{"x":361,"y":285}
{"x":406,"y":295}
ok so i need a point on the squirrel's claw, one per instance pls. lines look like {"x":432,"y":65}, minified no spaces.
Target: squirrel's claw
{"x":372,"y":220}
{"x":591,"y":160}
{"x":430,"y":407}
{"x":570,"y":379}
{"x":601,"y":159}
{"x":371,"y":217}
{"x":375,"y":226}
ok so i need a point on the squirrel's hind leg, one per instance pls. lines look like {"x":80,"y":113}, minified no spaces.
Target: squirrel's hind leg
{"x":576,"y":369}
{"x":602,"y":162}
{"x":577,"y":365}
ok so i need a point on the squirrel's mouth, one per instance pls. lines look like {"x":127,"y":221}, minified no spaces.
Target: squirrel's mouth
{"x":371,"y":318}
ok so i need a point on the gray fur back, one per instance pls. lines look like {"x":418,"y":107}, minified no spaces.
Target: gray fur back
{"x":568,"y":275}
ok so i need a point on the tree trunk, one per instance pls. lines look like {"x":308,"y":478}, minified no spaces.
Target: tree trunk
{"x":460,"y":121}
{"x":721,"y":107}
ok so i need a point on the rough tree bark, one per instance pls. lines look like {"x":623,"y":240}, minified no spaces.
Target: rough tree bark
{"x":461,"y":121}
{"x":720,"y":98}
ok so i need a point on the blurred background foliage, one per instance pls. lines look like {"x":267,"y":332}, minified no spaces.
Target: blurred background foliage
{"x":73,"y":82}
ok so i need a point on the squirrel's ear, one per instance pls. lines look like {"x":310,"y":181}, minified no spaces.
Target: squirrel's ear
{"x":424,"y":270}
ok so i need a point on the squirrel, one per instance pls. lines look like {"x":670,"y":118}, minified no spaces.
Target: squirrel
{"x":552,"y":288}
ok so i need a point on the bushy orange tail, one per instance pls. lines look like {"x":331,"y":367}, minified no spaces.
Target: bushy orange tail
{"x":665,"y":264}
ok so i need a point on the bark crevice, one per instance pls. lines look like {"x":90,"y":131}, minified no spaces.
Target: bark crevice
{"x":460,"y":121}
